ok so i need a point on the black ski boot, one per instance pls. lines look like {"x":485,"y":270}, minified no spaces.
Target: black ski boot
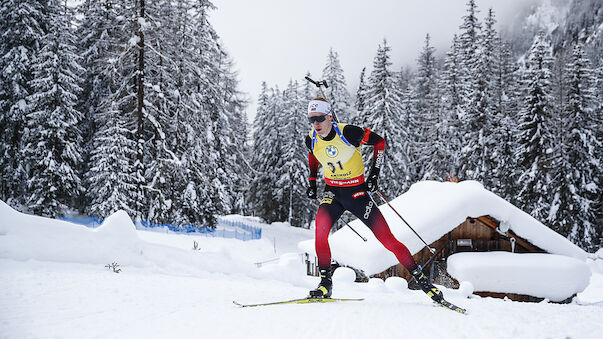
{"x":433,"y":292}
{"x":325,"y":288}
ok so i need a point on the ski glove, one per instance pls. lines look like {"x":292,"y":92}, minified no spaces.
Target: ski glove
{"x":311,"y":191}
{"x":371,"y":181}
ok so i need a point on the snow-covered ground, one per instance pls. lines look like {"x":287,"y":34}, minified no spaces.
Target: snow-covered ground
{"x":54,"y":284}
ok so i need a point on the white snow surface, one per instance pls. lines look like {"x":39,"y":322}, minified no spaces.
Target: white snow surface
{"x":433,"y":209}
{"x":54,"y":284}
{"x":550,"y":276}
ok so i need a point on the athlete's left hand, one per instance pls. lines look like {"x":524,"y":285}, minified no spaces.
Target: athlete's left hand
{"x":311,"y":191}
{"x":372,"y":181}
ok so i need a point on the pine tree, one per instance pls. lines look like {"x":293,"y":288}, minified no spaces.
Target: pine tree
{"x":237,"y":149}
{"x":266,"y":157}
{"x":427,"y":144}
{"x":599,"y":152}
{"x":197,"y":96}
{"x":360,"y":101}
{"x":23,"y":25}
{"x":468,"y":52}
{"x":96,"y":33}
{"x":478,"y":155}
{"x":506,"y":98}
{"x":383,"y":115}
{"x":451,"y":105}
{"x":125,"y":64}
{"x":109,"y":179}
{"x":574,"y":210}
{"x":337,"y":92}
{"x":52,"y":142}
{"x":276,"y":161}
{"x":165,"y":174}
{"x":535,"y":139}
{"x":294,"y":178}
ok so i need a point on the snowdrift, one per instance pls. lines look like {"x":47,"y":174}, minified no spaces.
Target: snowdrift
{"x":27,"y":237}
{"x":550,"y":276}
{"x":433,"y":209}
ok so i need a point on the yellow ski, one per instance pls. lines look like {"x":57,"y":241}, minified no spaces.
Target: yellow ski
{"x":298,"y":301}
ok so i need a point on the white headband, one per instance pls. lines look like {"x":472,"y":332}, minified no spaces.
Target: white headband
{"x":319,"y":106}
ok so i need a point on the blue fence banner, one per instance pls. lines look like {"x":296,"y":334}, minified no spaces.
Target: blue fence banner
{"x":227,"y":228}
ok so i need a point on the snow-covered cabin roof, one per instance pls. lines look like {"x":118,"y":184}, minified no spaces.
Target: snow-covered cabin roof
{"x":433,"y":209}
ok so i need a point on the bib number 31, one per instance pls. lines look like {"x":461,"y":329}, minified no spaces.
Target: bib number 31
{"x":332,"y":166}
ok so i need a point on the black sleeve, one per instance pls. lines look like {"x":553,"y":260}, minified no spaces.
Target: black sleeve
{"x":353,"y":134}
{"x":309,"y":143}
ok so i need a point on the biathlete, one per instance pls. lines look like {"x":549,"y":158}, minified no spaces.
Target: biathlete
{"x":336,"y":147}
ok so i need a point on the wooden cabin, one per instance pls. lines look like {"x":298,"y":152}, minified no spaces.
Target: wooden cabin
{"x":482,"y":234}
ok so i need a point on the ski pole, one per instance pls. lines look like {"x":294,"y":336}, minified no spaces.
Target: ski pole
{"x":358,"y":234}
{"x":319,"y":84}
{"x":432,"y":250}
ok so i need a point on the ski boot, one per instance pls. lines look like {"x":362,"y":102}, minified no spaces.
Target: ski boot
{"x":433,"y":292}
{"x":325,"y":288}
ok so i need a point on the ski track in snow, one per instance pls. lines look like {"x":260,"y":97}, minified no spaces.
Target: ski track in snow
{"x":47,"y":300}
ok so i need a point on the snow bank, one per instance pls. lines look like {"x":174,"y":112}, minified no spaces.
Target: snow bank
{"x":28,"y":237}
{"x":25,"y":237}
{"x":549,"y":276}
{"x":433,"y":209}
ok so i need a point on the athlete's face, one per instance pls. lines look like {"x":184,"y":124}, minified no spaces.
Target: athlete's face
{"x":322,"y":128}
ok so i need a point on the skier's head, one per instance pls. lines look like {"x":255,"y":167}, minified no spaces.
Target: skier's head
{"x":320,"y":116}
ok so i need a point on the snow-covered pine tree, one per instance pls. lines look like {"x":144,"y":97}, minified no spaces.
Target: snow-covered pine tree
{"x":294,"y":178}
{"x":52,"y":143}
{"x":360,"y":100}
{"x":195,"y":96}
{"x":468,"y":55}
{"x":124,"y":66}
{"x":237,"y":149}
{"x":427,"y":149}
{"x":218,"y":134}
{"x":266,"y":155}
{"x":258,"y":184}
{"x":109,"y":178}
{"x":535,"y":135}
{"x":599,"y":152}
{"x":506,"y":98}
{"x":276,"y":136}
{"x":165,"y":173}
{"x":95,"y":32}
{"x":337,"y":92}
{"x":451,"y":104}
{"x":23,"y":25}
{"x":383,"y":115}
{"x":480,"y":121}
{"x":217,"y":97}
{"x":174,"y":88}
{"x":578,"y":170}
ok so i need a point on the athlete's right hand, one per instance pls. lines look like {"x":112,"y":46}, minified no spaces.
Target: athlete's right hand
{"x":311,"y":191}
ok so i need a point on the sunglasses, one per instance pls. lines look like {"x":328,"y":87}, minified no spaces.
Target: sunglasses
{"x":318,"y":118}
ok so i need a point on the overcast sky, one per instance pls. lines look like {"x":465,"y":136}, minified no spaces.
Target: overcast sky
{"x":279,"y":40}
